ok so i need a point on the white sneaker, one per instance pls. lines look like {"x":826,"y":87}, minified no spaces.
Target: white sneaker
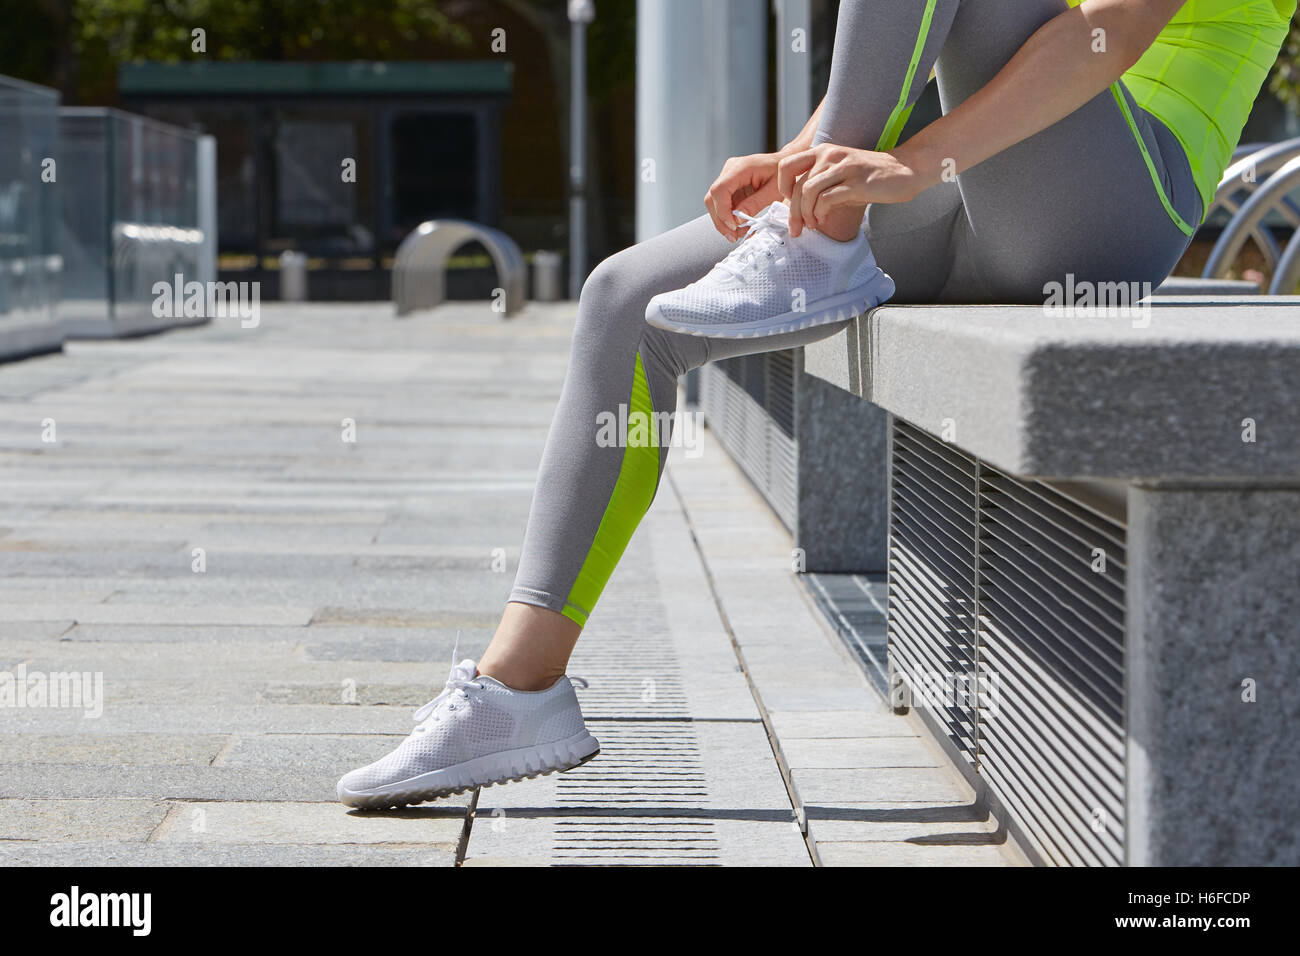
{"x":477,"y":732}
{"x":773,"y":282}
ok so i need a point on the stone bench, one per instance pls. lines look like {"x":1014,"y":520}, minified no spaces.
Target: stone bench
{"x":1094,"y":565}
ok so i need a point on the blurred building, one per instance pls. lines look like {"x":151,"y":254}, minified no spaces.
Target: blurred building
{"x":337,"y":160}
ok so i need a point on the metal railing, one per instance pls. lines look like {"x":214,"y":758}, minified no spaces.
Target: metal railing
{"x":749,"y":402}
{"x":1257,"y":187}
{"x":420,"y":267}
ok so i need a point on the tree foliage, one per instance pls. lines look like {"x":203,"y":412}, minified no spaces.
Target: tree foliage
{"x":79,"y":44}
{"x":262,"y":29}
{"x":1284,"y":83}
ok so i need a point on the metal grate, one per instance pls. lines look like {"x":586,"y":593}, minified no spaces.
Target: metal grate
{"x":854,"y":604}
{"x":748,"y":402}
{"x":641,"y":762}
{"x":932,"y":555}
{"x":640,"y":842}
{"x":640,"y":803}
{"x":1052,"y":647}
{"x":1041,"y":567}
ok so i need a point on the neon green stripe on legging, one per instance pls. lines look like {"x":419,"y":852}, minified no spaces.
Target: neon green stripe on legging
{"x":638,"y":477}
{"x":1116,"y":92}
{"x":898,"y":118}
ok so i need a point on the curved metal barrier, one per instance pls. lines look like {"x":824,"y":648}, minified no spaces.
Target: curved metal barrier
{"x":420,"y":267}
{"x":1195,"y":285}
{"x":1253,"y":173}
{"x":1263,"y":158}
{"x":1267,"y":197}
{"x":1287,"y":274}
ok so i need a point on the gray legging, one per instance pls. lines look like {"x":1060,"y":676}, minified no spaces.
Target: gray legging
{"x":1077,"y":198}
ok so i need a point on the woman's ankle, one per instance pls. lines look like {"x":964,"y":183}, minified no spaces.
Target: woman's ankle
{"x":843,"y":225}
{"x":530,"y":650}
{"x":518,"y":677}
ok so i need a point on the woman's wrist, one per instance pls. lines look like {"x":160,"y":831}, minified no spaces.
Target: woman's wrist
{"x":796,"y":145}
{"x":923,"y":164}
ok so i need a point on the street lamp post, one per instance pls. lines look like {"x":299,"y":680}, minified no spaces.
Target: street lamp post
{"x":581,"y":13}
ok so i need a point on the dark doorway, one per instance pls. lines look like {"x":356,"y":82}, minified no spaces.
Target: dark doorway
{"x":435,"y":168}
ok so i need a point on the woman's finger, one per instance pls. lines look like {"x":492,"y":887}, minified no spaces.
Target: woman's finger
{"x":708,"y":207}
{"x":796,"y":221}
{"x":815,"y":185}
{"x":796,"y":217}
{"x":806,"y":203}
{"x":759,"y":199}
{"x":718,"y":202}
{"x":791,"y":168}
{"x":830,"y":198}
{"x":810,"y":188}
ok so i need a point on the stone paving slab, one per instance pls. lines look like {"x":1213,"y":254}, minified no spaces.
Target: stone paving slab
{"x":862,"y":752}
{"x":433,"y":826}
{"x":928,"y":823}
{"x":317,"y":642}
{"x":215,"y":854}
{"x":266,"y":785}
{"x":908,"y":854}
{"x":214,"y":718}
{"x":26,"y":630}
{"x":456,"y":590}
{"x":251,"y":665}
{"x":136,"y":750}
{"x":63,"y":819}
{"x":882,"y":785}
{"x":876,"y":721}
{"x":316,"y":750}
{"x":157,"y":614}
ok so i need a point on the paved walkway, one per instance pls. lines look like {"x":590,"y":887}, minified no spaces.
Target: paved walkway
{"x":266,"y":601}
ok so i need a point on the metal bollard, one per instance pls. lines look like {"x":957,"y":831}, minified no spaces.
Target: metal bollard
{"x":293,"y":276}
{"x":547,"y":276}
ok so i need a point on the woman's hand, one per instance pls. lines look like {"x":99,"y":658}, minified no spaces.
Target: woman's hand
{"x":746,"y":184}
{"x":825,"y":179}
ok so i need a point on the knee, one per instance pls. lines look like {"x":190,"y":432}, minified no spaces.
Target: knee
{"x":613,"y":297}
{"x":605,"y":284}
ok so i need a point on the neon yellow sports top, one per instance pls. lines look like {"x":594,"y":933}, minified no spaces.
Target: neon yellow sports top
{"x":1201,"y":76}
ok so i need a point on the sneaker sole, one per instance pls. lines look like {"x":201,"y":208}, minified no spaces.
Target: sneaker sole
{"x":840,"y":308}
{"x":504,"y":767}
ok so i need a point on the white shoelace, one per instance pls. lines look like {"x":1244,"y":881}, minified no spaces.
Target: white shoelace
{"x":459,"y":682}
{"x":462,"y":678}
{"x":765,"y":232}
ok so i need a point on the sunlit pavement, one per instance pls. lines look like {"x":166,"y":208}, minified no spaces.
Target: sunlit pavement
{"x":254,"y":548}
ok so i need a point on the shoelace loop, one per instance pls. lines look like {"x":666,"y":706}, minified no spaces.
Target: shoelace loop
{"x":459,"y":683}
{"x":463,"y":676}
{"x":764,"y":231}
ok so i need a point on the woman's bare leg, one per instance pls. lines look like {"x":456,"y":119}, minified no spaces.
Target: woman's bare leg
{"x":531,"y":647}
